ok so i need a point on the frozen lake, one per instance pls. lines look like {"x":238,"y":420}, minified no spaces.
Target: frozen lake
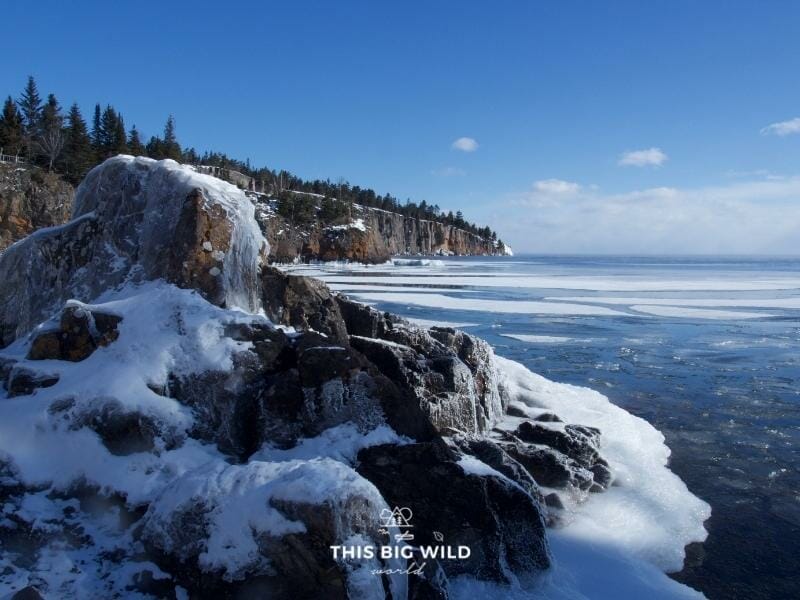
{"x":706,"y":349}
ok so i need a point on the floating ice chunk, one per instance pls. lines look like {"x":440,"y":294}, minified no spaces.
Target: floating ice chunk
{"x":537,"y":339}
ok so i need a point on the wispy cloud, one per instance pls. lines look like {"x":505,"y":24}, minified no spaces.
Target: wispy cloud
{"x":448,"y":172}
{"x":556,"y":186}
{"x":651,"y":157}
{"x":783,"y":128}
{"x":739,"y":217}
{"x":465,"y":144}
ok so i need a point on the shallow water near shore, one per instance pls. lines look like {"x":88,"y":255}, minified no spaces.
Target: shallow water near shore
{"x":706,"y":349}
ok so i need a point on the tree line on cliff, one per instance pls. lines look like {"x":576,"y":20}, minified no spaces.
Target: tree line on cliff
{"x":40,"y":132}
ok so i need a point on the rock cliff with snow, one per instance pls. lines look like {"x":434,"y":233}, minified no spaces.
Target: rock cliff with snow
{"x":372,"y":236}
{"x":179,"y":419}
{"x":30,"y":199}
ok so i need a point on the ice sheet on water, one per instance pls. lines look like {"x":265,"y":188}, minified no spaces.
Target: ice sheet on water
{"x":495,"y":306}
{"x":787,"y":303}
{"x":427,"y":323}
{"x":537,"y":339}
{"x":697,"y":313}
{"x":571,"y":282}
{"x":418,"y":262}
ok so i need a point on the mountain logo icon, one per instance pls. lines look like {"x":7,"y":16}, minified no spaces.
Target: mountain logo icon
{"x":397,"y":517}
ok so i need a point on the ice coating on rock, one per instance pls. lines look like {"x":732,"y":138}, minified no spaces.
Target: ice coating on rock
{"x":137,"y":219}
{"x":163,"y":187}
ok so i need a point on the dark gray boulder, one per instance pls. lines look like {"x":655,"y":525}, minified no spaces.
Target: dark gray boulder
{"x":501,"y":523}
{"x":303,"y":303}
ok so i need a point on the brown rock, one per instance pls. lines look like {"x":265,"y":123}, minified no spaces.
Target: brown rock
{"x":80,"y":332}
{"x":23,"y":381}
{"x":29,"y":200}
{"x":302,"y":302}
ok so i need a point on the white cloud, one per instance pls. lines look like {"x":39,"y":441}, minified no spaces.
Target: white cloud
{"x":643,"y":158}
{"x":740,"y":217}
{"x":465,"y":144}
{"x":556,"y":186}
{"x":449,"y":172}
{"x":783,"y":127}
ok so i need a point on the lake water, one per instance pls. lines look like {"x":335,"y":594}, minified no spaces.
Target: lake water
{"x":706,"y":349}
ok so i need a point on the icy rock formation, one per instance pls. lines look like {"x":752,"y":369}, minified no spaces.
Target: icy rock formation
{"x":157,"y":439}
{"x":136,"y":219}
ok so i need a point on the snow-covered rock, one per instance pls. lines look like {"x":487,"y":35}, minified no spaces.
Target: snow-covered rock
{"x":136,"y":219}
{"x":244,"y":523}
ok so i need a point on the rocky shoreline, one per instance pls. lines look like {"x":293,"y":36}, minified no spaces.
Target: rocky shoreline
{"x":222,"y":424}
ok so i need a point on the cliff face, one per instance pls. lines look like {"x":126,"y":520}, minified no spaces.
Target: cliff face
{"x":29,"y":200}
{"x":373,"y":236}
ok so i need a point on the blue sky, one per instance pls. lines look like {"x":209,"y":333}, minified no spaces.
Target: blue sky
{"x":554,"y":94}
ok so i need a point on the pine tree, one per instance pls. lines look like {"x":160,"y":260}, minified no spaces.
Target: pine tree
{"x":120,"y":143}
{"x":51,"y":115}
{"x":190,"y":157}
{"x":135,"y":146}
{"x":97,"y":130}
{"x":30,"y":104}
{"x":11,"y":130}
{"x":78,"y":155}
{"x":171,"y":147}
{"x":107,"y":141}
{"x":155,"y":148}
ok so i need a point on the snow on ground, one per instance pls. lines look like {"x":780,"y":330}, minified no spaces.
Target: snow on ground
{"x":148,"y":348}
{"x":341,"y":443}
{"x":163,"y":330}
